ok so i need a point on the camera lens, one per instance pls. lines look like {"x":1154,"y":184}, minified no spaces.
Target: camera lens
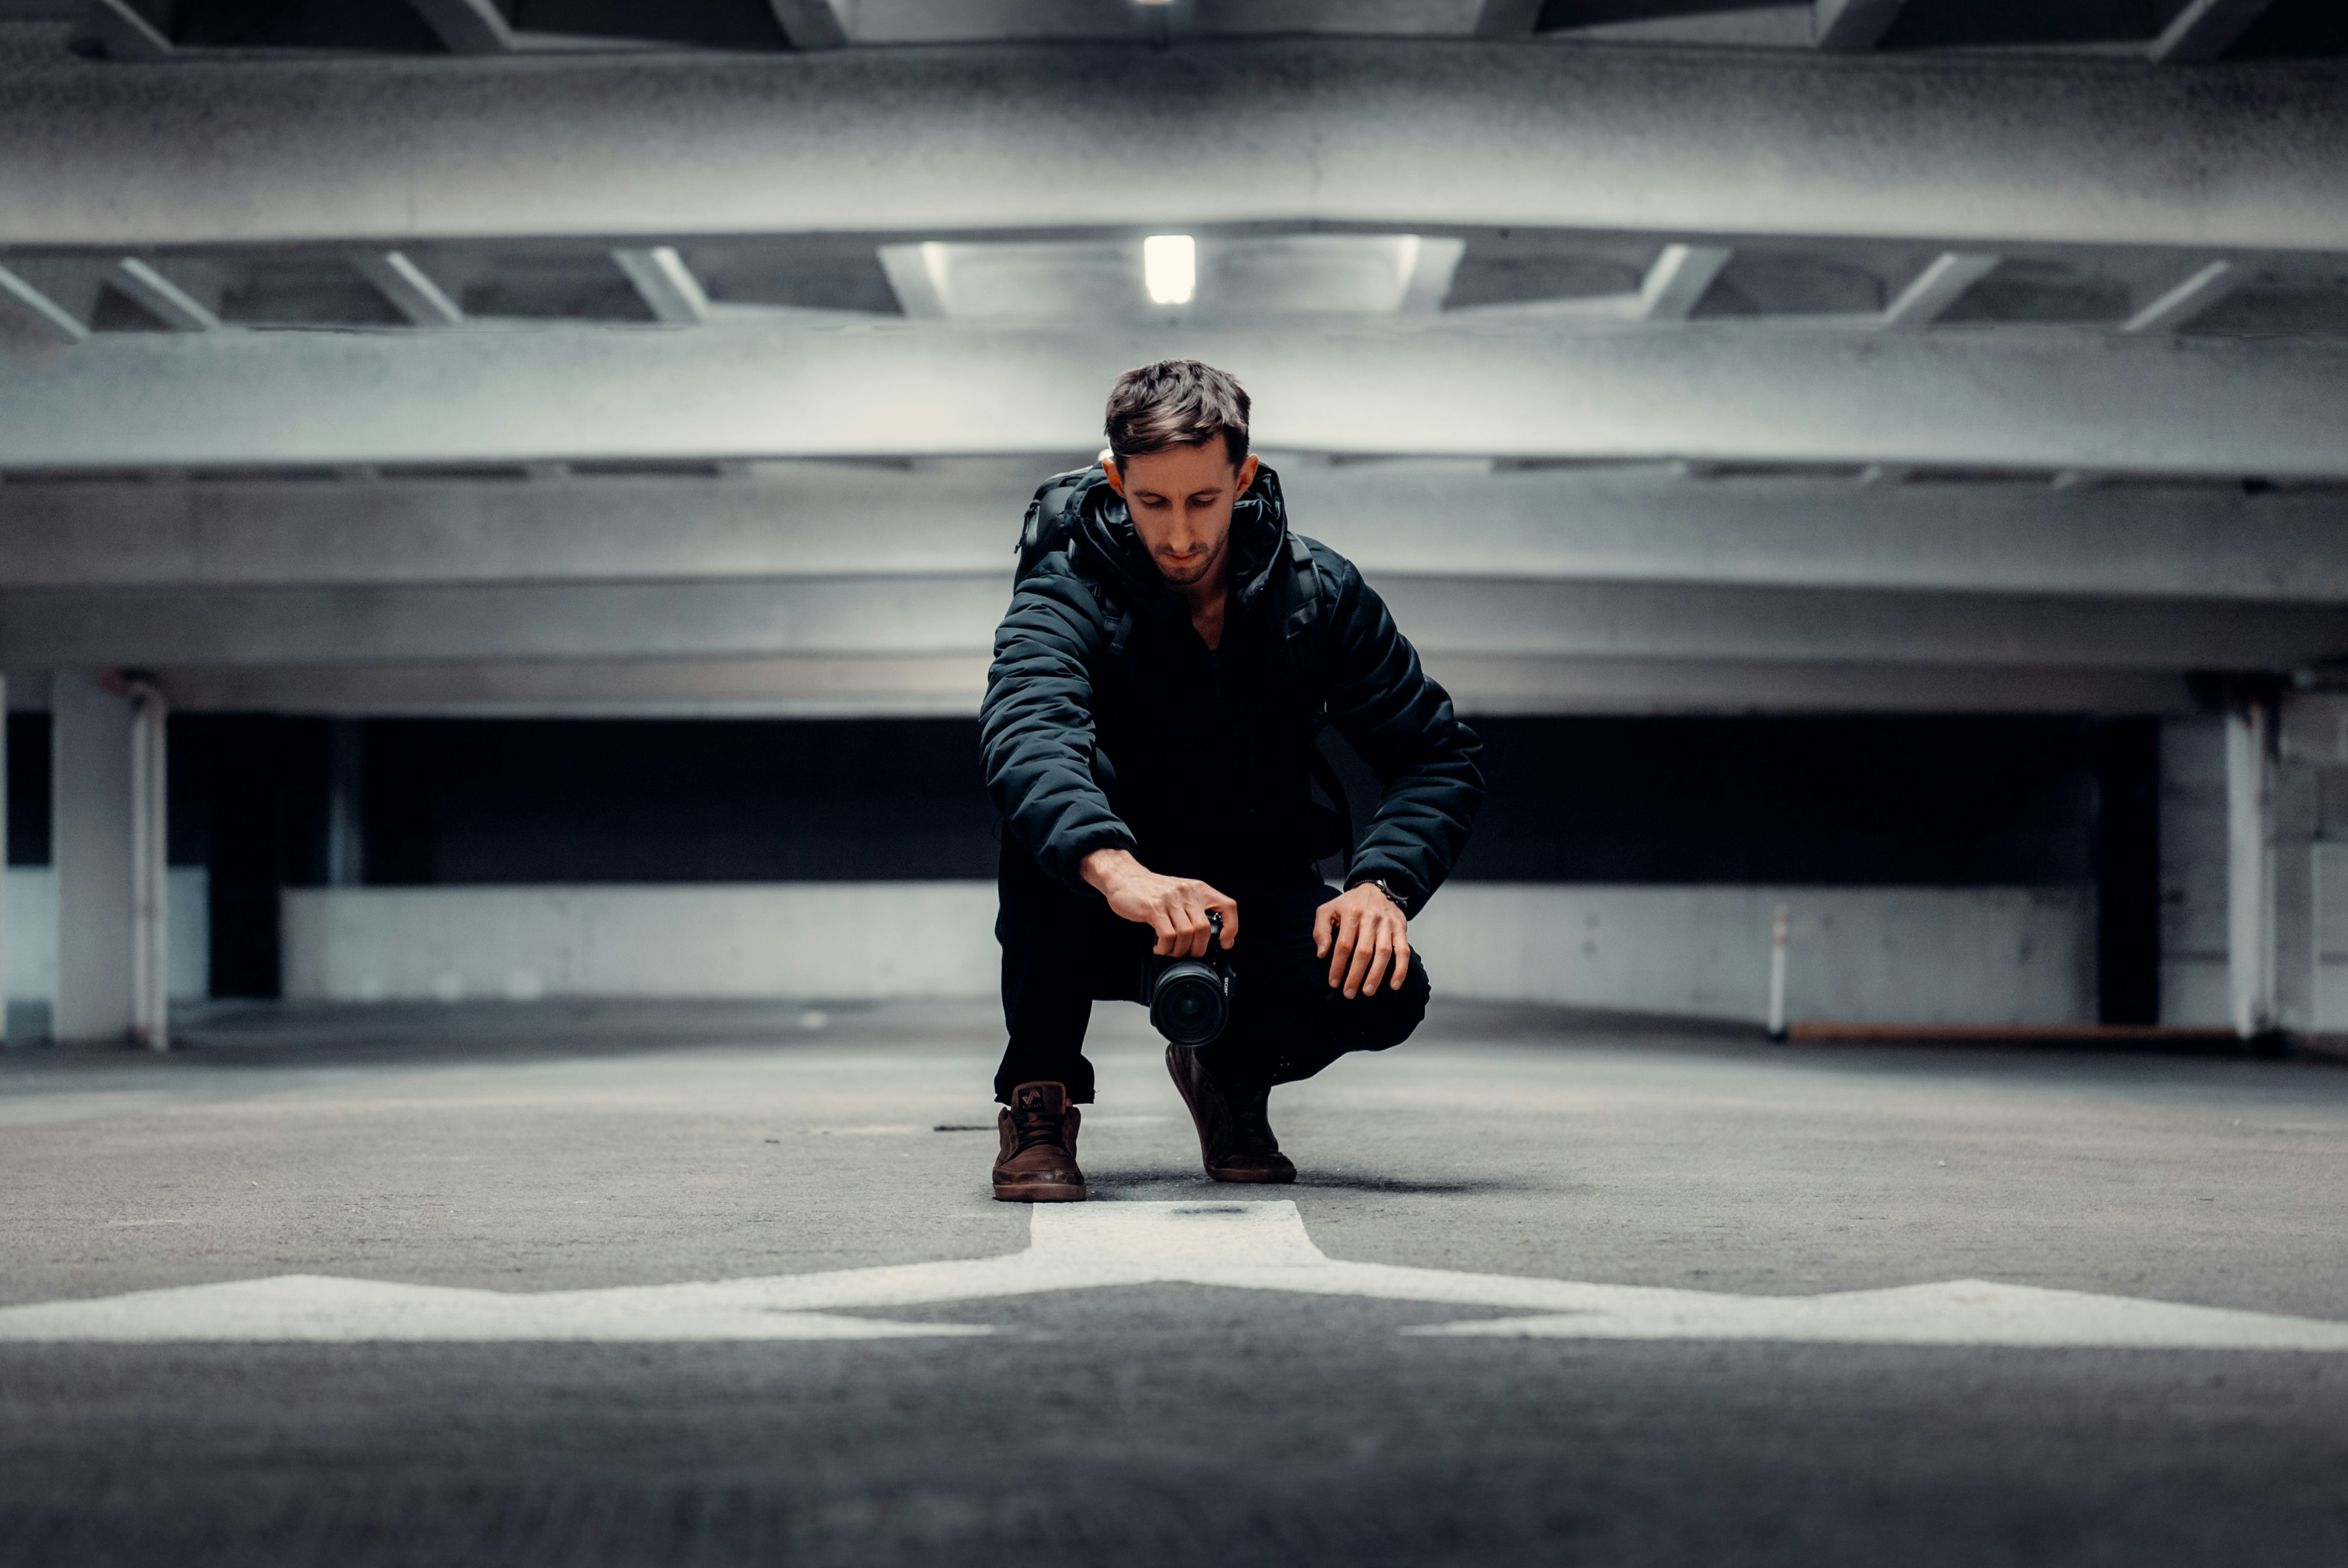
{"x":1190,"y":1003}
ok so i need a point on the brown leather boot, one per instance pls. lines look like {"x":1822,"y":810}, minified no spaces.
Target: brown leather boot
{"x":1038,"y":1159}
{"x":1235,"y":1138}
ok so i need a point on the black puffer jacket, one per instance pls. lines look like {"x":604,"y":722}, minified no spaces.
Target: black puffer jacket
{"x":1198,"y":760}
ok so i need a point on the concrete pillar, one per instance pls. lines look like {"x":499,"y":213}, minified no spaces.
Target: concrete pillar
{"x":2250,"y":870}
{"x":2272,"y":819}
{"x":4,"y":859}
{"x":109,"y":818}
{"x":2249,"y":866}
{"x":150,"y":908}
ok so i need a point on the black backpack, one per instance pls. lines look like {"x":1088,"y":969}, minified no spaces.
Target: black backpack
{"x":1051,"y":526}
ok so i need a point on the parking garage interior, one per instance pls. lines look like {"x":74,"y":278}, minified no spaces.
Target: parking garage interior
{"x":504,"y":511}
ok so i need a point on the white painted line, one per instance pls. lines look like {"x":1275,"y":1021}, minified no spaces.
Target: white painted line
{"x":308,"y":1308}
{"x":1956,"y":1312}
{"x":1236,"y":1244}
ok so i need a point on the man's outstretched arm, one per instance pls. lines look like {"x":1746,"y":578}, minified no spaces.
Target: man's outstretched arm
{"x":1035,"y":733}
{"x":1035,"y":729}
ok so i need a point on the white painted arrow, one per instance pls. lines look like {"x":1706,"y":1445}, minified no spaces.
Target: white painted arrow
{"x":1239,"y":1245}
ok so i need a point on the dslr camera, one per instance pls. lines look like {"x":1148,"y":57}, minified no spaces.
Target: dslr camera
{"x":1190,"y":999}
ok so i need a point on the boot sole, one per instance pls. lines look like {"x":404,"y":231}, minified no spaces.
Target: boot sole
{"x":1006,"y":1194}
{"x":1266,"y":1178}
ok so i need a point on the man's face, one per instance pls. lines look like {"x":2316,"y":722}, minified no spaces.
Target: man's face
{"x":1181,"y":501}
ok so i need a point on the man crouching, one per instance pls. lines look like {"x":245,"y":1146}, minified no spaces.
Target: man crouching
{"x":1150,"y":734}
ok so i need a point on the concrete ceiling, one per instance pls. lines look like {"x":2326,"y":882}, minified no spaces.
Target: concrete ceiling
{"x":2169,"y":31}
{"x":1651,"y":356}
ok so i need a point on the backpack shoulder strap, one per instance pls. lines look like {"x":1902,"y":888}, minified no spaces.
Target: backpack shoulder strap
{"x":1116,"y":617}
{"x":1304,"y":631}
{"x":1304,"y":589}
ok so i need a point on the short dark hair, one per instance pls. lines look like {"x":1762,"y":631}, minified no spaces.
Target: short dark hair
{"x":1177,"y":403}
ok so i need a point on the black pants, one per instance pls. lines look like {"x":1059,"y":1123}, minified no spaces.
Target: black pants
{"x":1062,"y":951}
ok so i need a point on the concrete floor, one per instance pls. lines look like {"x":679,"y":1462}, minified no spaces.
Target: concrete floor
{"x":564,"y":1147}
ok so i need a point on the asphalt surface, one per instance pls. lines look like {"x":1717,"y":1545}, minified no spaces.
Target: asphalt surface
{"x":564,"y":1147}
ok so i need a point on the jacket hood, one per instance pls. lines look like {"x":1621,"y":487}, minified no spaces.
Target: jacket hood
{"x":1111,"y":546}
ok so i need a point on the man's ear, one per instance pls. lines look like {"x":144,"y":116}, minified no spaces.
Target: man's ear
{"x":1115,"y":480}
{"x":1247,"y":473}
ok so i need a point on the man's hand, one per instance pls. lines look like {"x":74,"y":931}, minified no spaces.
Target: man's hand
{"x":1361,"y":931}
{"x":1176,"y":908}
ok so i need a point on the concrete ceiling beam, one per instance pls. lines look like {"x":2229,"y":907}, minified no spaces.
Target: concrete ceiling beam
{"x":409,"y":289}
{"x":2204,"y":30}
{"x":1537,"y":686}
{"x":665,"y":284}
{"x":466,"y":26}
{"x":2206,"y":287}
{"x":1939,"y":285}
{"x":1419,"y":519}
{"x":802,"y":686}
{"x":902,"y":616}
{"x":52,"y":318}
{"x":1970,"y":153}
{"x":1852,"y":26}
{"x":1676,"y":282}
{"x":1507,"y":18}
{"x":816,"y":685}
{"x":166,"y":299}
{"x":1710,"y":392}
{"x":124,"y":31}
{"x":813,"y":23}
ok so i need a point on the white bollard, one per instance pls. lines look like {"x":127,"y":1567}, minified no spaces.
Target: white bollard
{"x":1777,"y":926}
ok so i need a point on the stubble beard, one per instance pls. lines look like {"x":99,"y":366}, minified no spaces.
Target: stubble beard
{"x":1192,"y":576}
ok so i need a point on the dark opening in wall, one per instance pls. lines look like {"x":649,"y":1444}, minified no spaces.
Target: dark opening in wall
{"x":2126,"y":758}
{"x":1864,"y":800}
{"x":28,"y":789}
{"x":674,"y":801}
{"x":1870,"y":800}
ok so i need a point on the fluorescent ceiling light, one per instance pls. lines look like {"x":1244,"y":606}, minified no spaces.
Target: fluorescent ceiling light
{"x":1169,"y":265}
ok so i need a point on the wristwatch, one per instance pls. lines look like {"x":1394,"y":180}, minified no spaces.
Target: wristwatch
{"x":1380,"y":884}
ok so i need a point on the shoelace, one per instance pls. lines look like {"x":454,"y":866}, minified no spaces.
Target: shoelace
{"x":1030,"y":1127}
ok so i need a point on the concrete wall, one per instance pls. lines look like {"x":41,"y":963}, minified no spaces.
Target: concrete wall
{"x":840,"y":941}
{"x":1925,"y":955}
{"x":1910,"y":954}
{"x":32,"y":894}
{"x":2332,"y":937}
{"x":1906,"y":955}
